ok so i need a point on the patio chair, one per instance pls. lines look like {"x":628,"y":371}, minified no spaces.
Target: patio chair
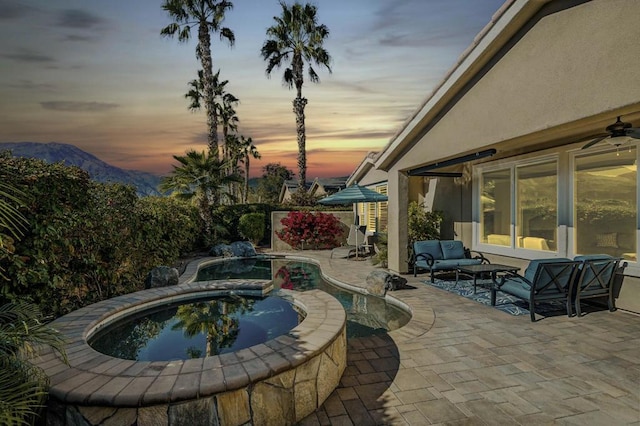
{"x":356,"y":243}
{"x":543,"y":280}
{"x":596,"y":278}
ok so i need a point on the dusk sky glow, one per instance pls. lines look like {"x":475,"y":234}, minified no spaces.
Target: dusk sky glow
{"x":98,"y":75}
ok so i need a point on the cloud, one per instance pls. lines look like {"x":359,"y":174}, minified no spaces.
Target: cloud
{"x":29,"y":56}
{"x":75,"y":37}
{"x":31,"y":85}
{"x":71,"y":106}
{"x":78,"y":19}
{"x":9,"y":10}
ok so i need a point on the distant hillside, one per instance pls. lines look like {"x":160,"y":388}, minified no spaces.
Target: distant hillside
{"x":52,"y":152}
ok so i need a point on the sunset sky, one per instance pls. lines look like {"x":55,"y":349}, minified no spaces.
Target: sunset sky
{"x":98,"y":75}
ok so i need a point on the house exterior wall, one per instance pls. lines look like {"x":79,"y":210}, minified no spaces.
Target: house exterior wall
{"x":561,"y":78}
{"x":372,"y":177}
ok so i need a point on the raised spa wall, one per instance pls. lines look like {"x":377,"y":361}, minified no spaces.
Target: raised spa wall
{"x":278,"y":382}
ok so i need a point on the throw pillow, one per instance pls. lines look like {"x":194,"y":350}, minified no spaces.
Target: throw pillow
{"x":607,"y":240}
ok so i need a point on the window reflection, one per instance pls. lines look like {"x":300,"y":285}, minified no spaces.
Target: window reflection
{"x":495,"y":203}
{"x":537,"y":206}
{"x":606,"y":203}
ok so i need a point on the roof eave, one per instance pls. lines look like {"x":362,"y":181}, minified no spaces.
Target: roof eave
{"x":509,"y":19}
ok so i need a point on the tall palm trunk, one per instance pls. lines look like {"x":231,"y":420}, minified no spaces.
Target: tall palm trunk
{"x":204,"y":52}
{"x":246,"y":179}
{"x":298,"y":108}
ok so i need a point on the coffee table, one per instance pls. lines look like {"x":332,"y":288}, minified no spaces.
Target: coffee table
{"x":486,"y":268}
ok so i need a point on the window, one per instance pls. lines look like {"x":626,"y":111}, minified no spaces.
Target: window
{"x":605,"y":200}
{"x":523,"y":198}
{"x":495,"y":208}
{"x":537,"y":206}
{"x":563,"y":204}
{"x":376,"y":213}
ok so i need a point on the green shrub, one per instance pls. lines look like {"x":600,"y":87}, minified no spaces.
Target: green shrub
{"x":229,"y":218}
{"x":86,"y":241}
{"x":423,"y":225}
{"x":382,"y":252}
{"x":251,"y":226}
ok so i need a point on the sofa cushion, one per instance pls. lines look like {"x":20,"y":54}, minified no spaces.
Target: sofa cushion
{"x":431,"y":247}
{"x":593,"y":257}
{"x":467,"y":262}
{"x":518,"y":287}
{"x":452,"y":249}
{"x":450,"y":264}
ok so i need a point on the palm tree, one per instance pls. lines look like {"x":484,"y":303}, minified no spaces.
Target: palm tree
{"x":195,"y":92}
{"x":248,"y":150}
{"x":297,"y":38}
{"x":201,"y":177}
{"x":224,"y":105}
{"x":208,"y":16}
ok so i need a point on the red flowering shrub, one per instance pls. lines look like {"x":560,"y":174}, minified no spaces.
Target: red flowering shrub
{"x":310,"y":230}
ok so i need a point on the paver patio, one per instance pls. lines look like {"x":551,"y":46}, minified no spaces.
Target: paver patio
{"x":461,"y":363}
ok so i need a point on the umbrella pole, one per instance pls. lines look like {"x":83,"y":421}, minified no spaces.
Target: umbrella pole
{"x":357,"y":230}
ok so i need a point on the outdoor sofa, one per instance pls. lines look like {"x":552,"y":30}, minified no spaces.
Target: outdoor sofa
{"x":562,"y":279}
{"x":442,"y":255}
{"x":597,"y":275}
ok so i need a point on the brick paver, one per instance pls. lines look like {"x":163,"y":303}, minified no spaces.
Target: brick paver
{"x":466,"y":364}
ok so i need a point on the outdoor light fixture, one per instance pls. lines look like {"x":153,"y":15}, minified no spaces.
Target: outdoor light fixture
{"x":422,"y":171}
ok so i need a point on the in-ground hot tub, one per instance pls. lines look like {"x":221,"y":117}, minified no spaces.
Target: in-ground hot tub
{"x":280,"y":381}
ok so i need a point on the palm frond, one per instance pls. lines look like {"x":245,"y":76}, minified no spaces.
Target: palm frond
{"x":22,"y":331}
{"x":23,"y":390}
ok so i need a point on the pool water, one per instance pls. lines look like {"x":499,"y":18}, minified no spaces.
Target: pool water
{"x":366,"y":315}
{"x":197,"y":328}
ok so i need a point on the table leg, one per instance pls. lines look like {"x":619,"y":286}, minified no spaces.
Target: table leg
{"x":494,"y":277}
{"x":475,"y":280}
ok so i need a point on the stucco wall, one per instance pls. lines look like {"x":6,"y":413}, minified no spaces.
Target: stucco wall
{"x":572,"y":64}
{"x":373,"y":176}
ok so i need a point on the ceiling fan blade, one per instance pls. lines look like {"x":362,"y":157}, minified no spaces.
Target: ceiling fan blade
{"x":595,"y":141}
{"x":633,"y":132}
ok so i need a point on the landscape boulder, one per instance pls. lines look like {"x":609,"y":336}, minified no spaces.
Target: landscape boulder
{"x":161,"y":276}
{"x":235,"y":249}
{"x":379,"y":282}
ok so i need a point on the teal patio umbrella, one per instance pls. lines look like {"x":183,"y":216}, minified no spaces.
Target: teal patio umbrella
{"x":354,"y":194}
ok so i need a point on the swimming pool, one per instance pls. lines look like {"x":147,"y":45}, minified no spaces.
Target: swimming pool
{"x":366,"y":315}
{"x":197,"y":328}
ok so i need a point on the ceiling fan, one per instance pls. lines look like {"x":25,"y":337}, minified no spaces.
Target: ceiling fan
{"x":617,"y":134}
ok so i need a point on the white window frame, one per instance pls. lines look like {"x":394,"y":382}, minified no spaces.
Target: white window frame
{"x":566,"y":179}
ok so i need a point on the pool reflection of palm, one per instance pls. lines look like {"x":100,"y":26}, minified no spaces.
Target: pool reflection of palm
{"x":216,"y":319}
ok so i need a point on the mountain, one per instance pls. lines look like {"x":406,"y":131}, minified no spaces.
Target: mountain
{"x":53,"y":152}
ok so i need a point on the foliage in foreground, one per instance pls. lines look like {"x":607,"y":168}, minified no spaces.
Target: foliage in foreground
{"x":23,"y":386}
{"x":86,"y":241}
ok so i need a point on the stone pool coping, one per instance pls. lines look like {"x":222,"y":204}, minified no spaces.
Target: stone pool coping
{"x":95,"y":379}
